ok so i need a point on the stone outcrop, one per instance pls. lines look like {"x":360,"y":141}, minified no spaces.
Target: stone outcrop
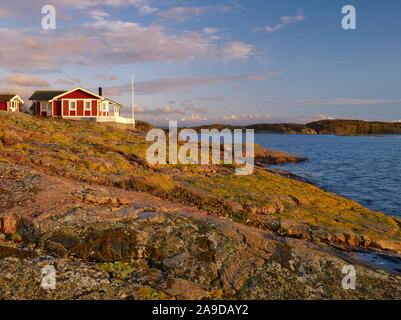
{"x":148,"y":248}
{"x":265,"y":156}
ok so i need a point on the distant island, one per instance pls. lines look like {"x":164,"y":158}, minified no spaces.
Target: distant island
{"x":341,"y":127}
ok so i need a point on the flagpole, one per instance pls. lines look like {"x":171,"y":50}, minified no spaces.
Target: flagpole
{"x":133,"y":102}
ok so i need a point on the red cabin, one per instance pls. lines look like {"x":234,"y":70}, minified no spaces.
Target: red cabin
{"x":10,"y":102}
{"x":77,"y":103}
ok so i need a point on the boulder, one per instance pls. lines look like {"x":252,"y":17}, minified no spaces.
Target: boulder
{"x":8,"y":224}
{"x":185,"y":290}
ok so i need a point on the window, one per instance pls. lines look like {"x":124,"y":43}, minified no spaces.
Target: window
{"x":105,"y":106}
{"x":13,"y":105}
{"x":87,"y":105}
{"x":73,"y":106}
{"x":45,"y":106}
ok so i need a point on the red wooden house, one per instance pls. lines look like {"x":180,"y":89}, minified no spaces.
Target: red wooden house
{"x":10,"y":102}
{"x":77,"y":103}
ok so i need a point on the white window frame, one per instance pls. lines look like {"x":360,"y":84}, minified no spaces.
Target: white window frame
{"x":13,"y":105}
{"x":105,"y":106}
{"x":70,"y":107}
{"x":90,"y":105}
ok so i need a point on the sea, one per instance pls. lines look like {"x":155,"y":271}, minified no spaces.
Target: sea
{"x":366,"y":169}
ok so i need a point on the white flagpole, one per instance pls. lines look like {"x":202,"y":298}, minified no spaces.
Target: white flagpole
{"x":133,"y":102}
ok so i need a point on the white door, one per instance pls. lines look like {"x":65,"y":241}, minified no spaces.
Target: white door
{"x":49,"y":109}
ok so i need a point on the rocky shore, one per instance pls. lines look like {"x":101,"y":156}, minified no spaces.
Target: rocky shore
{"x":264,"y":156}
{"x":106,"y":243}
{"x":84,"y":200}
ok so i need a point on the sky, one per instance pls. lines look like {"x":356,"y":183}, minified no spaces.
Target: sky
{"x":202,"y":62}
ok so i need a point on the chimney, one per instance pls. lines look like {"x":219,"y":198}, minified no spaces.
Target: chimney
{"x":100,"y":91}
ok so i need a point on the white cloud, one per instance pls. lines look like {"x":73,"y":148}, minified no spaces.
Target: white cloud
{"x":24,"y":51}
{"x":25,"y":81}
{"x":105,"y":42}
{"x":177,"y":84}
{"x":337,"y":101}
{"x":132,"y":43}
{"x":164,"y":114}
{"x":143,"y":6}
{"x":106,"y":77}
{"x":166,"y":110}
{"x":285,"y":20}
{"x":182,"y":14}
{"x":70,"y":82}
{"x":98,"y":14}
{"x":213,"y":98}
{"x":5,"y":13}
{"x":236,"y":50}
{"x":28,"y":11}
{"x":194,"y":119}
{"x":347,"y":101}
{"x":246,"y":118}
{"x":209,"y":30}
{"x":23,"y":92}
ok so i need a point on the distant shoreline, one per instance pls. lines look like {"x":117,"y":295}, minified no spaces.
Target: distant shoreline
{"x":335,"y":127}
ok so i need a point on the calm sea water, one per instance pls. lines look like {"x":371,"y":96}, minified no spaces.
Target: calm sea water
{"x":366,"y":169}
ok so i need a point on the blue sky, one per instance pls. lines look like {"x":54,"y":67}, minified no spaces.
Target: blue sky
{"x":227,"y":61}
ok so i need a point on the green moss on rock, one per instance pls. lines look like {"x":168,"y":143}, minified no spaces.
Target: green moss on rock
{"x":111,"y":245}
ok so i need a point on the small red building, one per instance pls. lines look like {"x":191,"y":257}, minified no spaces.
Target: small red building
{"x":77,"y":103}
{"x":10,"y":102}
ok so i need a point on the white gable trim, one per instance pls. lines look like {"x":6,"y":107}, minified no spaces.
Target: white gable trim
{"x":75,"y":89}
{"x":88,"y":92}
{"x":17,"y":97}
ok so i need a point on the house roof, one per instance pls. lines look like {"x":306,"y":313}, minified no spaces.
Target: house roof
{"x":75,"y":89}
{"x":115,"y":103}
{"x":50,"y":95}
{"x":87,"y":91}
{"x":6,"y":96}
{"x":45,"y":95}
{"x":9,"y":97}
